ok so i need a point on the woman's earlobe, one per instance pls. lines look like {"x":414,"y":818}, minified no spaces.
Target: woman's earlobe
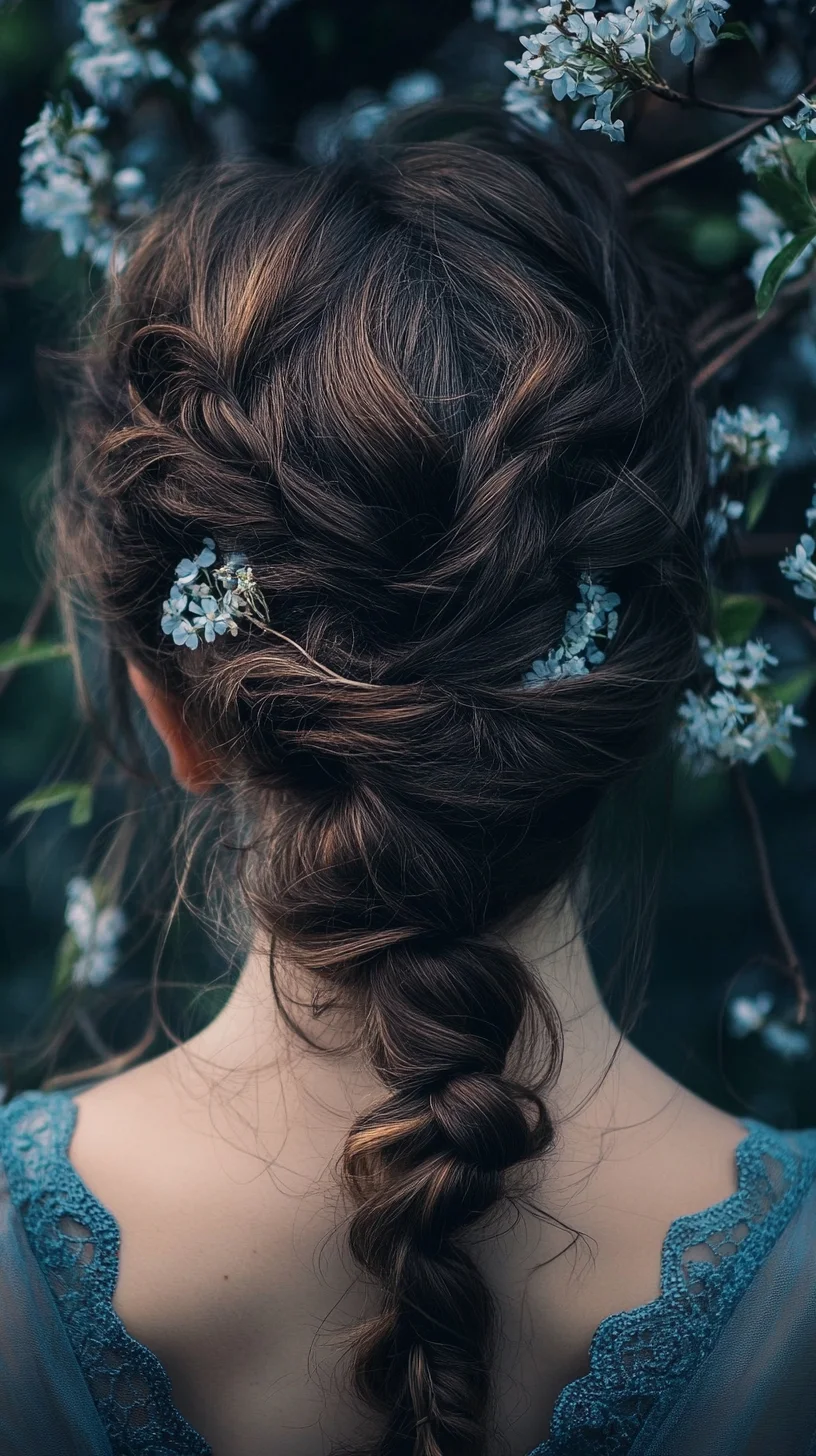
{"x":192,"y":766}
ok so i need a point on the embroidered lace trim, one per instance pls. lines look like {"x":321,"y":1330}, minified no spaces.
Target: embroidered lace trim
{"x":76,"y":1243}
{"x":640,"y":1359}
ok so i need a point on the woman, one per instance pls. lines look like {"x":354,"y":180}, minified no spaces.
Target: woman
{"x":386,"y":496}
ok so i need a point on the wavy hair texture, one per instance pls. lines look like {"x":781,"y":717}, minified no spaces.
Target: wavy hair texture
{"x":423,"y":389}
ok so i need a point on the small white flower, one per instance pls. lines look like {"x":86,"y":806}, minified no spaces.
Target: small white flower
{"x":746,"y":1014}
{"x":718,"y":518}
{"x":792,"y":1043}
{"x":744,"y":440}
{"x":97,"y":931}
{"x":804,"y":122}
{"x":592,"y":621}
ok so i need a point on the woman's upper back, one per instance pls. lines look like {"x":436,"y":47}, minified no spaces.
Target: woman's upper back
{"x":642,"y":1361}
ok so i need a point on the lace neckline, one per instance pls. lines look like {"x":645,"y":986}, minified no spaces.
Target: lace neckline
{"x":639,"y":1359}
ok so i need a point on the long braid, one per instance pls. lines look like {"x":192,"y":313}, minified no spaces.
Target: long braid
{"x":423,"y":392}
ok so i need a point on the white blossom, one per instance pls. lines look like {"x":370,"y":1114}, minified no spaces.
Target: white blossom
{"x":114,"y":59}
{"x":215,"y":64}
{"x":744,"y":440}
{"x":798,"y":566}
{"x":581,"y":53}
{"x":745,"y":1014}
{"x":207,"y":600}
{"x":96,"y":929}
{"x":527,"y":102}
{"x":734,"y":723}
{"x":694,"y":22}
{"x":804,"y":122}
{"x":65,"y":169}
{"x":792,"y":1043}
{"x":717,"y":519}
{"x":762,"y":151}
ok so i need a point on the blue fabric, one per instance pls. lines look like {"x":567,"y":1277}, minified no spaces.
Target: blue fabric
{"x":721,"y":1364}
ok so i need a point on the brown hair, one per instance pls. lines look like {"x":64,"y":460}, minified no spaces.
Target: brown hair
{"x":423,"y":389}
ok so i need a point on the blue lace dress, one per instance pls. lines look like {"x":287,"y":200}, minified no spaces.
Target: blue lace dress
{"x":723,"y":1363}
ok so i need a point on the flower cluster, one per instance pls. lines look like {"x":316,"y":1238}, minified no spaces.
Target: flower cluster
{"x":69,"y":183}
{"x":718,"y":518}
{"x":734,"y":723}
{"x":593,"y":620}
{"x":206,"y":602}
{"x":744,"y":440}
{"x":96,"y":930}
{"x":113,"y":59}
{"x":804,"y":122}
{"x":748,"y":1014}
{"x":798,"y":566}
{"x":601,"y":58}
{"x":762,"y":151}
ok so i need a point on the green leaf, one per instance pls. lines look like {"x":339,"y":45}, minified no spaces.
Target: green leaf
{"x":801,"y":157}
{"x":780,"y":764}
{"x":13,"y":655}
{"x":737,"y":30}
{"x":757,"y":501}
{"x":778,"y":267}
{"x":735,"y":617}
{"x":787,"y":196}
{"x":67,"y":955}
{"x":78,"y":795}
{"x":795,"y":689}
{"x":82,"y":811}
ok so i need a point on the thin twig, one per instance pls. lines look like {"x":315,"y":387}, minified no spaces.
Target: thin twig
{"x":759,"y":545}
{"x":637,"y":185}
{"x":29,"y":629}
{"x":750,"y":335}
{"x":793,"y":966}
{"x":741,"y":320}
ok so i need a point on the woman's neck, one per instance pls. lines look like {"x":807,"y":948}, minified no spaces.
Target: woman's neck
{"x":248,"y":1052}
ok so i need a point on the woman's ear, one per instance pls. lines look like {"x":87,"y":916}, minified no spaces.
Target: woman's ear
{"x":192,"y":766}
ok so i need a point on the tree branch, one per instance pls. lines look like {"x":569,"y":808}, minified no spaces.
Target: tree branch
{"x":732,"y":326}
{"x":640,"y":184}
{"x":793,"y":966}
{"x":748,"y":337}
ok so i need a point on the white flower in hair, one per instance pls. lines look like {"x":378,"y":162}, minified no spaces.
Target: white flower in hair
{"x":206,"y":600}
{"x":593,"y":620}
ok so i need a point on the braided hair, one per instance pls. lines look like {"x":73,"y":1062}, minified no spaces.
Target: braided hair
{"x":423,"y":389}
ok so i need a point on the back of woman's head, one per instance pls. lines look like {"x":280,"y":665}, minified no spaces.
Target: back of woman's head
{"x":423,"y":391}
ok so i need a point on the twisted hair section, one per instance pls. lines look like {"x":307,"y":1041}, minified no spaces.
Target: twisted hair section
{"x":423,"y":390}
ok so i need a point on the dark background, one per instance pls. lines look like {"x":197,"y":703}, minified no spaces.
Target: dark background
{"x":712,"y":925}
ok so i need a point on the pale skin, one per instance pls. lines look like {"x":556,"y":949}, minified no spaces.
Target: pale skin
{"x":217,"y":1160}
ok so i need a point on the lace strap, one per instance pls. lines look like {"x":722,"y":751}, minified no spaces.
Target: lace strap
{"x":76,"y":1243}
{"x":642,"y":1358}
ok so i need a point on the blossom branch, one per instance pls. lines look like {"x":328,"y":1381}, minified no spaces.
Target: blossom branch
{"x":640,"y":184}
{"x":792,"y":963}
